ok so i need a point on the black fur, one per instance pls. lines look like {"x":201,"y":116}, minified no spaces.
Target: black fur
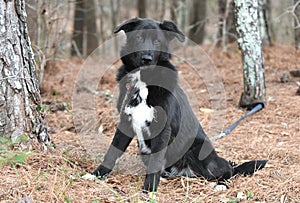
{"x":177,"y":141}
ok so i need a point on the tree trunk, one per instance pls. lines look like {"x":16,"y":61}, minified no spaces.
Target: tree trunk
{"x":141,"y":6}
{"x":264,"y":20}
{"x":163,"y":10}
{"x":226,"y":32}
{"x":249,"y":42}
{"x":173,"y":10}
{"x":197,"y":21}
{"x":92,"y":41}
{"x":179,"y":13}
{"x":297,"y":23}
{"x":19,"y":92}
{"x":78,"y":30}
{"x":84,"y":39}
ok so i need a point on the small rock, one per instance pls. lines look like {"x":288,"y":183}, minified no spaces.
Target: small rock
{"x":285,"y":77}
{"x":57,"y":107}
{"x":220,"y":187}
{"x":295,"y":73}
{"x":271,"y":99}
{"x":25,"y":199}
{"x":89,"y":176}
{"x":241,"y":196}
{"x":298,"y":91}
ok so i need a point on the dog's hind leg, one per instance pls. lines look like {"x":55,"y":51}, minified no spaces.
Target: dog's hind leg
{"x":204,"y":161}
{"x":211,"y":168}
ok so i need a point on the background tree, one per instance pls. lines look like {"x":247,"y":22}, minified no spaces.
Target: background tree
{"x":141,"y":7}
{"x":197,"y":19}
{"x":249,"y":42}
{"x":48,"y":31}
{"x":173,"y":10}
{"x":264,"y":21}
{"x":19,"y":92}
{"x":78,"y":29}
{"x":226,"y":29}
{"x":297,"y":23}
{"x":92,"y":40}
{"x":84,"y":38}
{"x":163,"y":10}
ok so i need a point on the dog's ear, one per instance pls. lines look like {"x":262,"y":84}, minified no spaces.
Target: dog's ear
{"x":174,"y":31}
{"x":128,"y":25}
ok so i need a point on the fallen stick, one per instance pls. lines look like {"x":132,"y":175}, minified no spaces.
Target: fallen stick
{"x":230,"y":128}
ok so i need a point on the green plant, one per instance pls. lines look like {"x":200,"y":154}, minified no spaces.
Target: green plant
{"x":41,"y":108}
{"x":10,"y":156}
{"x":249,"y":194}
{"x":67,"y":199}
{"x":236,"y":200}
{"x":55,"y":92}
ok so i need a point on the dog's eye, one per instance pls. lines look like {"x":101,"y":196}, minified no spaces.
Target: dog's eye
{"x":156,"y":42}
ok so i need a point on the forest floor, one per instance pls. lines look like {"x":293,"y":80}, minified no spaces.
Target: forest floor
{"x":273,"y":134}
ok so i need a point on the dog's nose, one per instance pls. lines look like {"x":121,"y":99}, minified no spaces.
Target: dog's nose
{"x":146,"y":59}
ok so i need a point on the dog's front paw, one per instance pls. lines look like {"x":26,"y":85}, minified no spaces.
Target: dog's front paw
{"x":151,"y":182}
{"x":101,"y":172}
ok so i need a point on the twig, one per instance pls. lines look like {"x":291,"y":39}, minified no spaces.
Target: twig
{"x":291,"y":10}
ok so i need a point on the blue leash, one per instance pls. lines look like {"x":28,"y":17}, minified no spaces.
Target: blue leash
{"x":230,"y":128}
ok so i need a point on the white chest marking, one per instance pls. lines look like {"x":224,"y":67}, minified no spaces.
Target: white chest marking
{"x":142,"y":113}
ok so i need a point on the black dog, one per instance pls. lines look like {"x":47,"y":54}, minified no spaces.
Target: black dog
{"x":154,"y":108}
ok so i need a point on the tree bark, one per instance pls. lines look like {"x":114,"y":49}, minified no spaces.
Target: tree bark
{"x":264,"y":20}
{"x":163,"y":10}
{"x":141,"y":6}
{"x":197,"y":21}
{"x":249,"y":42}
{"x":85,"y":39}
{"x":173,"y":8}
{"x":92,"y":41}
{"x":78,"y":29}
{"x":19,"y":87}
{"x":179,"y":13}
{"x":226,"y":32}
{"x":297,"y":23}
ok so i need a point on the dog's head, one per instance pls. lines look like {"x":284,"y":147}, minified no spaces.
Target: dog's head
{"x":147,"y":41}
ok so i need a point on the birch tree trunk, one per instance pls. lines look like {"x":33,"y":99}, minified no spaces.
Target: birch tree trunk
{"x":19,"y":90}
{"x":249,"y":42}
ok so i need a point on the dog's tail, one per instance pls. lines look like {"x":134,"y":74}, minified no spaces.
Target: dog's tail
{"x":248,"y":168}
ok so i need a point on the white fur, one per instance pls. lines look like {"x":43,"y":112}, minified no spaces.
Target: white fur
{"x":140,"y":113}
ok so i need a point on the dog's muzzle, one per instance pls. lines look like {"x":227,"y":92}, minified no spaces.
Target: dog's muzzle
{"x":147,"y":59}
